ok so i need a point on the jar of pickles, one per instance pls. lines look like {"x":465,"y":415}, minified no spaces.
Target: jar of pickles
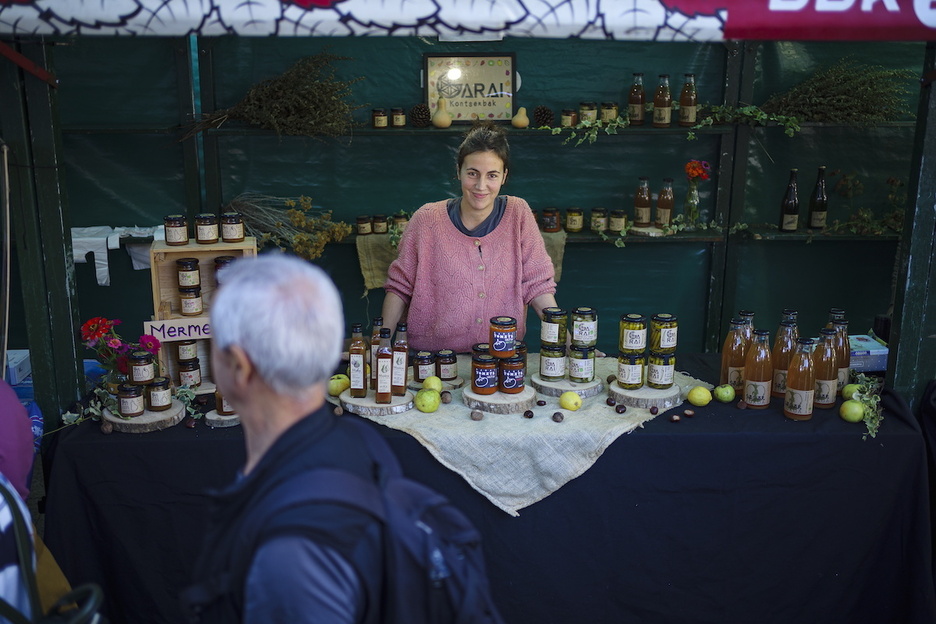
{"x":158,"y":395}
{"x":446,"y":365}
{"x":175,"y":228}
{"x":423,"y":365}
{"x":661,"y":368}
{"x":633,"y":333}
{"x":130,"y":400}
{"x":511,"y":375}
{"x":588,"y":111}
{"x":581,"y":364}
{"x":142,"y":369}
{"x":503,"y":336}
{"x":206,"y":228}
{"x":575,"y":220}
{"x":584,"y":327}
{"x":553,"y":327}
{"x":599,"y":220}
{"x":484,"y":374}
{"x":663,"y":332}
{"x":630,"y":375}
{"x":552,"y":362}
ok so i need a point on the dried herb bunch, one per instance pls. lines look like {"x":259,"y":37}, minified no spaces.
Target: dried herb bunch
{"x":306,"y":100}
{"x":288,"y":223}
{"x":847,"y":93}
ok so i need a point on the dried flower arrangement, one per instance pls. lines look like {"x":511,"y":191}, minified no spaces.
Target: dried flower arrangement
{"x":288,"y":223}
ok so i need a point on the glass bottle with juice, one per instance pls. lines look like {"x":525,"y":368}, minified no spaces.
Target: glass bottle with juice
{"x":842,"y":353}
{"x":826,"y":365}
{"x":642,"y":208}
{"x":357,"y":362}
{"x":733,"y":352}
{"x":688,"y":102}
{"x":758,"y":371}
{"x":384,"y":366}
{"x":400,"y":368}
{"x":784,"y":346}
{"x":665,"y":204}
{"x":635,"y":101}
{"x":801,"y":382}
{"x":374,"y":343}
{"x":662,"y":104}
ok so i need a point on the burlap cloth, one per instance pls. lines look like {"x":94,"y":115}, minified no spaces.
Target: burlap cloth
{"x":514,"y":461}
{"x":375,"y":255}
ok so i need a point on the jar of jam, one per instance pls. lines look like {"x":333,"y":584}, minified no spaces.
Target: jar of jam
{"x":446,"y":365}
{"x":551,"y":220}
{"x":232,"y":227}
{"x":661,"y":368}
{"x":511,"y":375}
{"x":158,"y":395}
{"x":188,"y":272}
{"x":206,"y":229}
{"x":599,"y":220}
{"x":483,"y":374}
{"x":190,"y":373}
{"x":400,"y":220}
{"x":364,"y":225}
{"x":378,"y":118}
{"x":552,"y":362}
{"x":176,"y":229}
{"x":574,"y":220}
{"x":480,"y":347}
{"x":191,"y":300}
{"x":568,"y":118}
{"x":130,"y":400}
{"x":584,"y":327}
{"x":618,"y":221}
{"x":142,"y":370}
{"x":423,"y":365}
{"x":633,"y":333}
{"x":397,"y":118}
{"x":379,"y":224}
{"x":581,"y":364}
{"x":503,"y":336}
{"x":553,"y":327}
{"x":222,"y":261}
{"x":630,"y":375}
{"x":663,"y":330}
{"x":609,"y":111}
{"x":588,"y":111}
{"x":222,"y":406}
{"x":188,"y":349}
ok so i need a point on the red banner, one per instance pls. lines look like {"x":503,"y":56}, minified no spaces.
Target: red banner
{"x":832,"y":20}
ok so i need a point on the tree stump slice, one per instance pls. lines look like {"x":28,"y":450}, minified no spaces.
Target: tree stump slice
{"x":214,"y":419}
{"x":452,"y":384}
{"x":501,"y":402}
{"x":646,"y":397}
{"x":556,"y":388}
{"x":368,"y":406}
{"x":147,"y":421}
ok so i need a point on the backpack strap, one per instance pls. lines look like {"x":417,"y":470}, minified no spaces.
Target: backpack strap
{"x":21,"y":534}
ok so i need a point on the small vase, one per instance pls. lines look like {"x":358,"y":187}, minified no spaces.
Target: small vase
{"x":691,"y":207}
{"x":441,"y":118}
{"x":112,"y":381}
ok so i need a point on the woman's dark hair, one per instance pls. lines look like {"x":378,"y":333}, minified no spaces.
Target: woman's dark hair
{"x":485,"y":136}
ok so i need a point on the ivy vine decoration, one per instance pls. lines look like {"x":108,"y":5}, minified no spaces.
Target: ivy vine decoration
{"x":395,"y":231}
{"x":868,"y":394}
{"x":861,"y":220}
{"x":588,"y":130}
{"x":679,"y":223}
{"x":746,"y":114}
{"x":186,"y":397}
{"x":619,"y":240}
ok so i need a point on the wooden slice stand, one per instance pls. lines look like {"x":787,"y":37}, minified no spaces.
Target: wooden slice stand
{"x":501,"y":402}
{"x":556,"y":388}
{"x":646,"y":397}
{"x":369,"y":407}
{"x":147,"y":421}
{"x":214,"y":419}
{"x":452,"y":384}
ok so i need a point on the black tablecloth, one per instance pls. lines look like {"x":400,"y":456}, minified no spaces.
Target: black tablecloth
{"x":733,"y":516}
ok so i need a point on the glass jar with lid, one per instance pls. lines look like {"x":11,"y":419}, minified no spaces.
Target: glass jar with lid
{"x":584,"y":327}
{"x":588,"y":111}
{"x":379,"y":224}
{"x":551,"y":220}
{"x":187,"y":349}
{"x":575,"y":220}
{"x":190,"y":300}
{"x":188,"y":273}
{"x":379,"y":118}
{"x":661,"y":369}
{"x":158,"y":395}
{"x":581,"y":364}
{"x":484,"y":374}
{"x":503,"y":336}
{"x":130,"y":400}
{"x":630,"y":375}
{"x":232,"y":227}
{"x":511,"y":375}
{"x":633,"y":333}
{"x":397,"y":117}
{"x":206,"y":228}
{"x":663,"y":333}
{"x":599,"y":220}
{"x":175,"y":228}
{"x":423,"y":365}
{"x":446,"y":365}
{"x":142,"y":369}
{"x":364,"y":226}
{"x":190,"y":373}
{"x":553,"y":326}
{"x":568,"y":118}
{"x":609,"y":111}
{"x":618,"y":221}
{"x":552,"y":362}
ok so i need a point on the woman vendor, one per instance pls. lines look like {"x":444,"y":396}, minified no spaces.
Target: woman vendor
{"x":470,"y":258}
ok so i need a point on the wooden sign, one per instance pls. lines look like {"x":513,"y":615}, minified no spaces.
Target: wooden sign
{"x":170,"y":330}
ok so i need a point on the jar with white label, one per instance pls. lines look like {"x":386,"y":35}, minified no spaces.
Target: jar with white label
{"x":581,"y":364}
{"x":663,"y":333}
{"x":633,"y":333}
{"x":142,"y":369}
{"x":553,"y":327}
{"x":175,"y":228}
{"x":188,"y":273}
{"x":158,"y":395}
{"x":232,"y":227}
{"x":222,"y":406}
{"x":446,"y":365}
{"x":130,"y":401}
{"x":584,"y":327}
{"x":190,"y":301}
{"x":187,"y":350}
{"x":206,"y":228}
{"x":661,"y":369}
{"x":552,"y":362}
{"x":190,"y":373}
{"x":630,"y":375}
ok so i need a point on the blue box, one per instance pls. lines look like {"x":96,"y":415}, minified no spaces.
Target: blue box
{"x":867,"y":354}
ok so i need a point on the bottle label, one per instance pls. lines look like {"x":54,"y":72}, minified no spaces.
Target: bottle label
{"x":357,"y":371}
{"x":687,"y":114}
{"x":630,"y":374}
{"x":206,"y":232}
{"x":380,"y":121}
{"x":663,"y":216}
{"x":790,"y":221}
{"x":757,"y":393}
{"x":384,"y":370}
{"x":485,"y":377}
{"x":635,"y":339}
{"x":192,"y":306}
{"x":512,"y":378}
{"x":798,"y":402}
{"x":426,"y":370}
{"x":779,"y":381}
{"x":583,"y":368}
{"x":825,"y":391}
{"x":552,"y":367}
{"x":588,"y":115}
{"x":226,"y":407}
{"x":549,"y":333}
{"x":662,"y":114}
{"x":585,"y":331}
{"x":660,"y":374}
{"x":635,"y":112}
{"x":399,"y":369}
{"x":818,"y":219}
{"x":190,"y":378}
{"x":399,"y":120}
{"x":188,"y":352}
{"x":668,"y":337}
{"x":189,"y":278}
{"x":448,"y":371}
{"x":641,"y":214}
{"x":143,"y":372}
{"x":618,"y":224}
{"x":176,"y":234}
{"x":843,"y":376}
{"x":160,"y":398}
{"x":131,"y":405}
{"x":232,"y":231}
{"x":736,"y":378}
{"x":575,"y":222}
{"x":503,"y":341}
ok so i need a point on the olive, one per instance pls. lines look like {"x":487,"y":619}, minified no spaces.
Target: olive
{"x":620,"y":408}
{"x":477,"y":415}
{"x":654,"y":410}
{"x":610,"y":401}
{"x":541,"y":402}
{"x":557,"y":417}
{"x":528,"y":414}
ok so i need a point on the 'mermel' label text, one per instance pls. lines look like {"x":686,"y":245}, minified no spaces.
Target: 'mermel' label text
{"x":178,"y":329}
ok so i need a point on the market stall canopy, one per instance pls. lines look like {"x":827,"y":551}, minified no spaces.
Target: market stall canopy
{"x":641,"y":20}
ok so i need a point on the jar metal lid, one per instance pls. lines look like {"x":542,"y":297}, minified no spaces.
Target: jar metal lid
{"x":584,"y":350}
{"x":664,"y":317}
{"x":144,"y":355}
{"x":188,"y":263}
{"x":174,"y":217}
{"x":584,"y":310}
{"x":480,"y":347}
{"x":513,"y":359}
{"x":190,"y":290}
{"x":160,"y":382}
{"x":560,"y":349}
{"x":130,"y":389}
{"x":634,"y":318}
{"x":445,"y":353}
{"x":206,"y":215}
{"x":666,"y":357}
{"x":503,"y":321}
{"x":484,"y":358}
{"x":424,"y":355}
{"x":379,"y":111}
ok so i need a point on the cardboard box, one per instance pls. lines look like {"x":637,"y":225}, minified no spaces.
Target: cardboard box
{"x":867,"y":354}
{"x":18,"y":366}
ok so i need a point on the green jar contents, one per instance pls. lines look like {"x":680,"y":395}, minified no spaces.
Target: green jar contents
{"x":661,"y":367}
{"x":663,"y":332}
{"x":553,"y":327}
{"x":575,"y":220}
{"x":584,"y":327}
{"x":599,"y":220}
{"x":446,"y":365}
{"x":588,"y":111}
{"x":552,"y":362}
{"x":423,"y":365}
{"x":581,"y":364}
{"x":630,"y":375}
{"x":158,"y":395}
{"x":130,"y":400}
{"x":633,"y":333}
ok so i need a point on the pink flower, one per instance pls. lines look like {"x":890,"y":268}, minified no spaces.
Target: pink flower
{"x":149,"y":343}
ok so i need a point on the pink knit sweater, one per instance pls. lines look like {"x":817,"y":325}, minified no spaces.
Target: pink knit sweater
{"x":455,"y":283}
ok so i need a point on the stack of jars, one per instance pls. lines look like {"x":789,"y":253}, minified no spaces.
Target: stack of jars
{"x":554,"y":332}
{"x":143,"y":390}
{"x":500,"y":364}
{"x":635,"y":367}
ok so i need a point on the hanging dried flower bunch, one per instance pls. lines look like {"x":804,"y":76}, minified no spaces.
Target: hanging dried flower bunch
{"x":288,"y":223}
{"x":306,"y":100}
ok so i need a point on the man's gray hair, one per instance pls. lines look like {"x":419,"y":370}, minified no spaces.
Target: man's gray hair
{"x":286,"y":314}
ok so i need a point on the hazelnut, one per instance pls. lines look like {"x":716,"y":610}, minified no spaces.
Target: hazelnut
{"x":477,"y":415}
{"x":557,"y":417}
{"x":528,"y":414}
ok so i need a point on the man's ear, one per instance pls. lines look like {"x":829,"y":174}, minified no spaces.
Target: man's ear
{"x":242,"y":368}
